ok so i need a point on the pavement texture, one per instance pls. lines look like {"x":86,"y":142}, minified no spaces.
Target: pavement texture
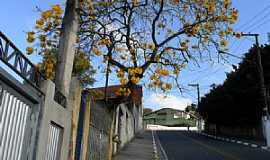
{"x":183,"y":145}
{"x":140,"y":148}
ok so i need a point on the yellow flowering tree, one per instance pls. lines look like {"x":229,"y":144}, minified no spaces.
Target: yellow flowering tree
{"x":44,"y":40}
{"x":154,"y":39}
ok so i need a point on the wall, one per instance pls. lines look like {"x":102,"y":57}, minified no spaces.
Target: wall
{"x":53,"y":112}
{"x":235,"y":131}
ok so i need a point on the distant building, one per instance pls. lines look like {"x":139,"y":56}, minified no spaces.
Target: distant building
{"x":170,"y":117}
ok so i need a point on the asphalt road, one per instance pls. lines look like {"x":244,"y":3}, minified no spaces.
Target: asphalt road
{"x":182,"y":145}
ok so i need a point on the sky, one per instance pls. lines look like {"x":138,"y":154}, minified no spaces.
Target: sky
{"x":18,"y":16}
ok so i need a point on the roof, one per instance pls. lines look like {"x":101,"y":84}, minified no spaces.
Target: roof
{"x":164,"y":109}
{"x":98,"y":93}
{"x":170,"y":109}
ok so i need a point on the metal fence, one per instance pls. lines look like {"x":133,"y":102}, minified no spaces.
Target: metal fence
{"x":19,"y":103}
{"x":54,"y":142}
{"x":100,"y":123}
{"x":98,"y":143}
{"x":14,"y":115}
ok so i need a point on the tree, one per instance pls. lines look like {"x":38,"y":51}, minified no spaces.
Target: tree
{"x":191,"y":108}
{"x":147,"y":110}
{"x":139,"y":39}
{"x":237,"y":101}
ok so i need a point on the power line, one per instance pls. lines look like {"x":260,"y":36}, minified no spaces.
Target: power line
{"x":254,"y":17}
{"x":259,"y":25}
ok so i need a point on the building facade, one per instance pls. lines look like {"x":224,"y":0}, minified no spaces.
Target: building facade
{"x":170,"y":117}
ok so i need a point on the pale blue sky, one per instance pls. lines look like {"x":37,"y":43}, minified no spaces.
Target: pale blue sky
{"x":18,"y":16}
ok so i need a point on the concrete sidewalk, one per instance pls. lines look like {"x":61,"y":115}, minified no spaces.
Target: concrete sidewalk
{"x":141,"y":148}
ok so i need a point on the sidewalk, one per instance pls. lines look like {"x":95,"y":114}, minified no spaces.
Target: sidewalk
{"x":141,"y":148}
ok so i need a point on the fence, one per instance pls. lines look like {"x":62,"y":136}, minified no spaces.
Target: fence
{"x":14,"y":114}
{"x":19,"y":103}
{"x":93,"y":143}
{"x":98,"y":143}
{"x":54,"y":142}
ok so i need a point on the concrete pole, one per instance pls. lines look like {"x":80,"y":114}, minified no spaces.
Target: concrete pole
{"x":67,"y":47}
{"x":262,"y":86}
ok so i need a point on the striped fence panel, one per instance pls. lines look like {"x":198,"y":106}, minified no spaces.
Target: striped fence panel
{"x":54,"y":142}
{"x":13,"y":124}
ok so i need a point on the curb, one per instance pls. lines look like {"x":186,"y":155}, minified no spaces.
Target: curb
{"x":155,"y":156}
{"x":159,"y":152}
{"x":235,"y":141}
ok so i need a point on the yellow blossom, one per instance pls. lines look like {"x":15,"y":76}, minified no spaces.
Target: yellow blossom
{"x":29,"y":50}
{"x":226,"y":3}
{"x":151,"y":46}
{"x":30,"y":37}
{"x":97,"y":51}
{"x":162,"y":72}
{"x":40,"y":23}
{"x":57,"y":9}
{"x":46,"y":14}
{"x":223,"y":43}
{"x":135,"y":79}
{"x":105,"y":41}
{"x":123,"y":81}
{"x":120,"y":73}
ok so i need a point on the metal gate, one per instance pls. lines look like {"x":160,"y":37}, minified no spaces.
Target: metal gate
{"x":14,"y":113}
{"x":54,"y":142}
{"x":98,"y":143}
{"x":19,"y":103}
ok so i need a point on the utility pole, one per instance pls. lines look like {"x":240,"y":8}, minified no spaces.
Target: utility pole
{"x":261,"y":73}
{"x":262,"y":85}
{"x":200,"y":121}
{"x":198,"y":92}
{"x":67,"y":47}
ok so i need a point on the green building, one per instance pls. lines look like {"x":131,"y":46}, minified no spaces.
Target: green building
{"x":170,"y":117}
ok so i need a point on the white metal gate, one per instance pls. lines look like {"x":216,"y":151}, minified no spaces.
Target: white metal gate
{"x":54,"y":142}
{"x":13,"y":117}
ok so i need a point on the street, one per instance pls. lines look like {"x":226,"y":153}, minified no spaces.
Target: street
{"x":182,"y":145}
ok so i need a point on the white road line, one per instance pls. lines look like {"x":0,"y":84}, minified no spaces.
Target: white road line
{"x":161,"y":148}
{"x":254,"y":145}
{"x":246,"y":144}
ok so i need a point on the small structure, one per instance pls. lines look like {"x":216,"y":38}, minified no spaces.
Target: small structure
{"x":170,"y":117}
{"x":105,"y":127}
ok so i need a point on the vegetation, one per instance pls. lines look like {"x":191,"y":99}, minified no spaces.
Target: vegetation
{"x":138,"y":39}
{"x":191,"y":108}
{"x":147,"y":110}
{"x":238,"y":101}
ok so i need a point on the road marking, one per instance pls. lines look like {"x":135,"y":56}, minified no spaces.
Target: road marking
{"x":254,"y":145}
{"x":246,"y":144}
{"x":240,"y":142}
{"x":264,"y":147}
{"x":154,"y":146}
{"x":161,"y":148}
{"x":225,"y":154}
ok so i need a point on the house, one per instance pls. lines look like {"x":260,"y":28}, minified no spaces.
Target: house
{"x":105,"y":127}
{"x":170,"y":117}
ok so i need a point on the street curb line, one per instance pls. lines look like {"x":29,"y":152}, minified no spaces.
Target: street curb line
{"x":235,"y":141}
{"x":164,"y":157}
{"x":154,"y":147}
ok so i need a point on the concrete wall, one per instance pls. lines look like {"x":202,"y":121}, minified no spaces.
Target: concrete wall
{"x":53,"y":112}
{"x":235,"y":131}
{"x":128,"y":123}
{"x":75,"y":103}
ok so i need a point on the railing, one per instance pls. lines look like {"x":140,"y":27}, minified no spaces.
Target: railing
{"x":60,"y":98}
{"x":16,"y":60}
{"x":21,"y":65}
